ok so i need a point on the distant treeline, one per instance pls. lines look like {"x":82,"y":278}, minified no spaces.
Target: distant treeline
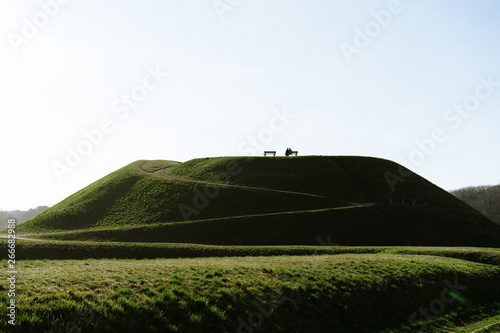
{"x":485,"y":199}
{"x":20,"y":215}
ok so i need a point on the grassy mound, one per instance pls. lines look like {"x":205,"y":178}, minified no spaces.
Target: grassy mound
{"x":349,"y":178}
{"x":326,"y":293}
{"x":267,"y":201}
{"x":135,"y":196}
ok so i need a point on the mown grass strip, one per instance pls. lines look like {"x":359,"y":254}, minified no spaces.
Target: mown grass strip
{"x":49,"y":249}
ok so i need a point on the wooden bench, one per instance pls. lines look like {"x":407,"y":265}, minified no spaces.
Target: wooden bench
{"x":294,"y":152}
{"x":269,"y":152}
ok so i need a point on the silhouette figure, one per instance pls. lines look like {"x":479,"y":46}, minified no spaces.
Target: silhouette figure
{"x":288,"y":151}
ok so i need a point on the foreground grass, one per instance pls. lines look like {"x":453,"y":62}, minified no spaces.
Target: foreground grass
{"x":488,"y":325}
{"x":322,"y":293}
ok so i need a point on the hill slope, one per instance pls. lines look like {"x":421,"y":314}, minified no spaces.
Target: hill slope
{"x":268,"y":201}
{"x":350,"y":178}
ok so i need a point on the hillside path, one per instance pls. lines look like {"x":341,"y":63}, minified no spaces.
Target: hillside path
{"x":20,"y":237}
{"x":163,"y":173}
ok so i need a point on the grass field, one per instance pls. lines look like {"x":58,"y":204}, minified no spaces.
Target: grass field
{"x":255,"y":253}
{"x":371,"y":292}
{"x":47,"y":249}
{"x":488,"y":325}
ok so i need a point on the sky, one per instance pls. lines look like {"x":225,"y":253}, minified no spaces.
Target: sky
{"x":87,"y":87}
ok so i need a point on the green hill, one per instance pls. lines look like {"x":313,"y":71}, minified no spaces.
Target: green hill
{"x":350,"y":178}
{"x":267,"y":201}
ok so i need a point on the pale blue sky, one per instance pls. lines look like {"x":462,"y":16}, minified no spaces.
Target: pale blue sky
{"x":228,"y":77}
